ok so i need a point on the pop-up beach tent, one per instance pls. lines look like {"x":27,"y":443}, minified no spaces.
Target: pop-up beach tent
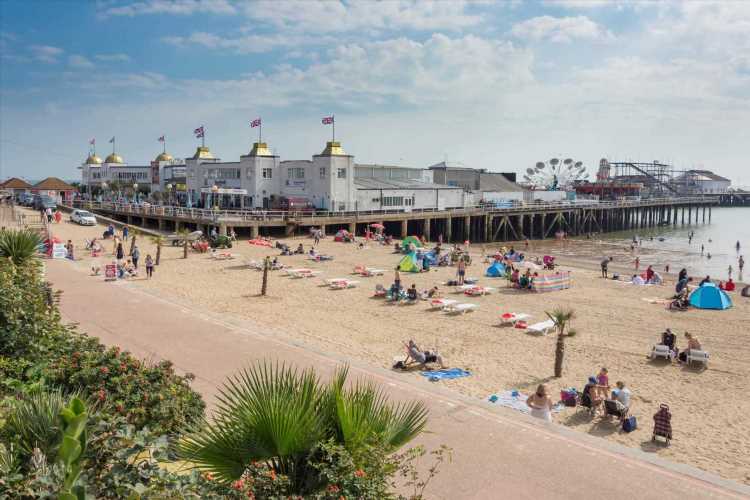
{"x":496,"y":270}
{"x":410,"y":240}
{"x":709,"y":296}
{"x":409,"y":263}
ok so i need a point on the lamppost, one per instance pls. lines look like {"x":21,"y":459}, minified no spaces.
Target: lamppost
{"x":169,"y":193}
{"x":135,"y":192}
{"x":102,"y":195}
{"x":214,"y":194}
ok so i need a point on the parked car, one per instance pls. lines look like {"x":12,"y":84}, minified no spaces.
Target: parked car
{"x":26,"y":199}
{"x":83,"y":218}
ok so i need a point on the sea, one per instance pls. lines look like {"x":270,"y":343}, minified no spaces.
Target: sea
{"x":671,"y":245}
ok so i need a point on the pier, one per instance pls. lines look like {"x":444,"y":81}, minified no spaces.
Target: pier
{"x":476,"y":224}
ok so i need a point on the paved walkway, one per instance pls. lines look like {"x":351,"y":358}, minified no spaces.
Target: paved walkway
{"x":498,"y":453}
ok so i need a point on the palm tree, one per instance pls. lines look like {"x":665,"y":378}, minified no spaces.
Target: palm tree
{"x":562,"y":318}
{"x":277,"y":415}
{"x":184,"y":239}
{"x":158,"y":240}
{"x":20,"y":245}
{"x":133,"y":235}
{"x":264,"y":285}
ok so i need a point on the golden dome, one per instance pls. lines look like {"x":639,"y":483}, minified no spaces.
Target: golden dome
{"x":164,"y":157}
{"x":333,"y":148}
{"x":260,"y":149}
{"x":93,"y":160}
{"x":113,"y":158}
{"x":203,"y":153}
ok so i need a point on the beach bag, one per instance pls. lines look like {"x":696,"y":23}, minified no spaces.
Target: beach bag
{"x":629,"y":424}
{"x":569,"y":397}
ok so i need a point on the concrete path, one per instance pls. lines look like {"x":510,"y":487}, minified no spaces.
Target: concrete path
{"x":498,"y":453}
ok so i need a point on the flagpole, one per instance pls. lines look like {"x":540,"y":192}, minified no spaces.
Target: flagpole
{"x":333,"y":122}
{"x":260,"y":132}
{"x":113,"y":144}
{"x":203,"y":137}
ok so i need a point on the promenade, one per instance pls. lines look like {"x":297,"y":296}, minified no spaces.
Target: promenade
{"x":497,"y":453}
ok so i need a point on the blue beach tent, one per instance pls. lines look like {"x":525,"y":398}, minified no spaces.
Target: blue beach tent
{"x":709,"y":296}
{"x":496,"y":270}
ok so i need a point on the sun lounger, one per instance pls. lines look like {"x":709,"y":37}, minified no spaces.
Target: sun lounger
{"x":542,"y":328}
{"x":222,"y":256}
{"x":289,"y":272}
{"x":342,"y":285}
{"x":661,"y":351}
{"x":698,"y":356}
{"x":460,"y":308}
{"x":441,"y":303}
{"x":369,"y":272}
{"x":512,"y":318}
{"x":476,"y":291}
{"x":306,"y":274}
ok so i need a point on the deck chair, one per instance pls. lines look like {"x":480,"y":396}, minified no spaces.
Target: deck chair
{"x":698,"y":356}
{"x":512,"y":318}
{"x":461,"y":308}
{"x":441,"y":303}
{"x":661,"y":351}
{"x":611,"y":410}
{"x":662,"y":424}
{"x":542,"y":328}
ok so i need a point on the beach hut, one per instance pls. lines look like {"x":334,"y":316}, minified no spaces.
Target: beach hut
{"x":410,"y":240}
{"x":496,"y":270}
{"x":709,"y":296}
{"x":409,"y":263}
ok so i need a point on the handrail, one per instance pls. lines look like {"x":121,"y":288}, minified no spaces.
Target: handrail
{"x":215,"y":215}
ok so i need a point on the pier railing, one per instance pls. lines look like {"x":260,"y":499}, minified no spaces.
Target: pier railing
{"x":215,"y":215}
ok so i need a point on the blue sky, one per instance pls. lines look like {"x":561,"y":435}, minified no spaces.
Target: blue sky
{"x":492,"y":85}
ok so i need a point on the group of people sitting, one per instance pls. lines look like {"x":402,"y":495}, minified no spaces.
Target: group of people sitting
{"x":669,"y":340}
{"x":523,"y":281}
{"x":596,"y":396}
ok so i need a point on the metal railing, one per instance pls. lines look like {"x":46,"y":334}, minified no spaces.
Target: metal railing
{"x":216,"y":215}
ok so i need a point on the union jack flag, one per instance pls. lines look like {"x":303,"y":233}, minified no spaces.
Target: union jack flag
{"x":161,"y":139}
{"x":112,"y":140}
{"x":199,"y":132}
{"x":327,"y":120}
{"x":255,"y":123}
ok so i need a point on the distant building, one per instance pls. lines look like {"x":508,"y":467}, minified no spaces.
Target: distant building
{"x":112,"y":173}
{"x":702,"y":182}
{"x":472,"y":179}
{"x":16,"y":186}
{"x":55,"y":188}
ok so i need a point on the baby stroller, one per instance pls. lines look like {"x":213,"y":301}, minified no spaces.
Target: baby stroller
{"x":662,"y":423}
{"x":549,"y":262}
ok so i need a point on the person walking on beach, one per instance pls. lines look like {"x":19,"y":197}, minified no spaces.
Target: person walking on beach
{"x":125,"y":232}
{"x":397,"y":280}
{"x":729,"y":272}
{"x":149,"y":266}
{"x":637,"y":263}
{"x":605,"y":266}
{"x":136,"y":255}
{"x":461,"y":271}
{"x":741,"y":263}
{"x":120,"y":254}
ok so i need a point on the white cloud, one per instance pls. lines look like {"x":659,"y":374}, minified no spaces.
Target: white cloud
{"x":560,"y":29}
{"x":46,"y":53}
{"x":582,"y":4}
{"x":113,"y":57}
{"x":170,"y":7}
{"x":339,"y":16}
{"x":248,"y":44}
{"x":78,"y":61}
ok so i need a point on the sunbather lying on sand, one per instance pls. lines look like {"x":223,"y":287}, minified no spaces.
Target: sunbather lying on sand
{"x":420,"y":357}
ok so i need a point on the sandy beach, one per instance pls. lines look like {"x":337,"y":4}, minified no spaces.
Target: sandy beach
{"x":617,"y":324}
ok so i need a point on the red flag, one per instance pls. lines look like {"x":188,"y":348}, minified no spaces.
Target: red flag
{"x":255,"y":123}
{"x":199,"y":132}
{"x":328,"y":120}
{"x":161,"y":139}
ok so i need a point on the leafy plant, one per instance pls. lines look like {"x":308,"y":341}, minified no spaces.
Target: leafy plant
{"x":277,"y":415}
{"x":562,"y":318}
{"x":19,"y":245}
{"x":34,"y":420}
{"x":184,"y":239}
{"x":72,"y":448}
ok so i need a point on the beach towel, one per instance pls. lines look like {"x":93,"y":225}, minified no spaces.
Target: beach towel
{"x":516,"y":401}
{"x":448,"y":374}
